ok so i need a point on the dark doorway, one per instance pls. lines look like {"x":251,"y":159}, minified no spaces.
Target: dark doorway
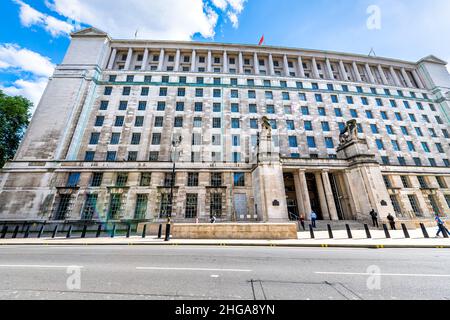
{"x":314,"y":195}
{"x":291,"y":196}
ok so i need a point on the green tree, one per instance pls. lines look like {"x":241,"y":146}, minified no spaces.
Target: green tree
{"x":14,"y":120}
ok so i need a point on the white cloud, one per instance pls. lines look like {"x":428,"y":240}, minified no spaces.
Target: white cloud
{"x":29,"y":89}
{"x":30,"y":17}
{"x":16,"y":58}
{"x":160,"y":19}
{"x":232,"y":8}
{"x":21,"y":61}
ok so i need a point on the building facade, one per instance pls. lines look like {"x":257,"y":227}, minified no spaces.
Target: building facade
{"x":100,"y":144}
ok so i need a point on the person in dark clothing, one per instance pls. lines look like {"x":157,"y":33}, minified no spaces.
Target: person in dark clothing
{"x":441,"y":226}
{"x":374,"y":216}
{"x":301,"y":219}
{"x":391,"y":219}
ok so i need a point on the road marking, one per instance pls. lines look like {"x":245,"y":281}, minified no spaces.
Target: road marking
{"x":38,"y":266}
{"x":386,"y":274}
{"x":192,"y":269}
{"x":214,"y":276}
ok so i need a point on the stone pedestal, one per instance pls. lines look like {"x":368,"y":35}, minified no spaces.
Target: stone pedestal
{"x":365,"y":181}
{"x":268,"y":183}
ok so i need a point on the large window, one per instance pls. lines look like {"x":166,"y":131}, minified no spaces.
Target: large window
{"x":63,"y":207}
{"x":90,"y":206}
{"x":216,"y":179}
{"x":165,"y":207}
{"x":191,"y":205}
{"x":97,"y":178}
{"x":192,"y":179}
{"x":146,"y":178}
{"x":239,"y":179}
{"x":414,"y":205}
{"x":216,"y":205}
{"x":141,"y":206}
{"x":115,"y":205}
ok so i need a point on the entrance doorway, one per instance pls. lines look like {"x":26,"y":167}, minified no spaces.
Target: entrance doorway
{"x":314,"y":195}
{"x":291,"y":196}
{"x":240,"y":206}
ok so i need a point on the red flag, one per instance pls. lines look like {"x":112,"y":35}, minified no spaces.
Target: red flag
{"x":261,"y":41}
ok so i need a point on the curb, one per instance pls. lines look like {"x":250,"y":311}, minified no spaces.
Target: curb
{"x":223,"y":244}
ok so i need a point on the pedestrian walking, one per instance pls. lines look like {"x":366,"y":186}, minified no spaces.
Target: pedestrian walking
{"x":374,"y":216}
{"x":313,"y":219}
{"x":213,"y":219}
{"x":441,"y":226}
{"x":301,"y":219}
{"x":391,"y":219}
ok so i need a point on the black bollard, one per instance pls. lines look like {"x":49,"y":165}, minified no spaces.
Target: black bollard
{"x":16,"y":231}
{"x":444,"y":231}
{"x":424,"y":231}
{"x":160,"y":231}
{"x":167,"y":238}
{"x":311,"y":231}
{"x":144,"y":231}
{"x":83,"y":233}
{"x":128,"y":230}
{"x":41,"y":231}
{"x":55,"y":232}
{"x":386,"y":231}
{"x":27,"y":232}
{"x":113,"y":231}
{"x":4,"y":231}
{"x":330,"y":231}
{"x":366,"y":227}
{"x":405,"y":231}
{"x":69,"y":233}
{"x":99,"y":231}
{"x":349,"y":231}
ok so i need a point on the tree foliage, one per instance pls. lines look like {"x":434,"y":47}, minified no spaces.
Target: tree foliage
{"x":14,"y":120}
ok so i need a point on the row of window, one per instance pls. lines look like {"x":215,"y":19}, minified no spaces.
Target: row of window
{"x":424,"y":181}
{"x":121,"y":180}
{"x":281,"y":84}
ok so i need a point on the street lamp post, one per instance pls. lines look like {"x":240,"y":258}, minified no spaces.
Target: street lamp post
{"x":175,"y":145}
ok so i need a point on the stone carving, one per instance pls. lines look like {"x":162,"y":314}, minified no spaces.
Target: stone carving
{"x":266,"y":124}
{"x":349,"y":133}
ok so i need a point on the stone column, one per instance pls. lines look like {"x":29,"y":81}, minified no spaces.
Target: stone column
{"x":144,"y":60}
{"x":161,"y":60}
{"x":329,"y":69}
{"x":305,"y":194}
{"x":241,"y":63}
{"x":112,"y":59}
{"x":271,"y":67}
{"x":382,"y":75}
{"x":301,"y":70}
{"x":193,"y":61}
{"x":356,"y":209}
{"x":394,"y":76}
{"x":418,"y":80}
{"x":256,"y":63}
{"x":225,"y":62}
{"x":177,"y":60}
{"x":408,"y":81}
{"x":343,"y":72}
{"x":322,"y":197}
{"x":370,"y":74}
{"x":298,"y":192}
{"x":286,"y":66}
{"x":329,"y":194}
{"x":129,"y":56}
{"x":356,"y":71}
{"x":209,"y":62}
{"x":314,"y":68}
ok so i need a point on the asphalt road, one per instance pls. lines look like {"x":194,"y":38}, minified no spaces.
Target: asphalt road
{"x":125,"y":272}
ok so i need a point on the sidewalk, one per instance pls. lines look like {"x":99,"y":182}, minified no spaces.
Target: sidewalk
{"x":321,"y":240}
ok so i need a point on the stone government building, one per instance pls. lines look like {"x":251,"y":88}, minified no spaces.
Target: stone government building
{"x":99,"y":146}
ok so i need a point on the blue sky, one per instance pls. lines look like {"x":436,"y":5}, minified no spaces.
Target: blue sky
{"x":38,"y":30}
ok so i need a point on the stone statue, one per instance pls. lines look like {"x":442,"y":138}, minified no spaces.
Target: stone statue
{"x":266,"y":127}
{"x":349,"y":133}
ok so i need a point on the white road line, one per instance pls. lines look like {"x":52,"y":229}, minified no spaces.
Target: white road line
{"x":192,"y":269}
{"x":19,"y":266}
{"x":386,"y":274}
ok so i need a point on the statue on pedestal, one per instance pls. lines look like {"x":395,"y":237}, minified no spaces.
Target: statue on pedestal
{"x":266,"y":126}
{"x":350,"y":132}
